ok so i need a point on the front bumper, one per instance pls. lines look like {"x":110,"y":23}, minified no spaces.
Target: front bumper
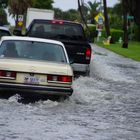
{"x":40,"y":90}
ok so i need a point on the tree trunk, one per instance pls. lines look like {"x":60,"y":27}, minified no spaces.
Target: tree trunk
{"x":16,"y":21}
{"x":81,"y":13}
{"x":107,"y":26}
{"x":125,"y":39}
{"x":82,"y":16}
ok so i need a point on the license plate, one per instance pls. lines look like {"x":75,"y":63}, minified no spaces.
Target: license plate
{"x":31,"y":80}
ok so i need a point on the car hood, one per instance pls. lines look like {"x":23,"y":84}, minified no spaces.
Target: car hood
{"x":35,"y":66}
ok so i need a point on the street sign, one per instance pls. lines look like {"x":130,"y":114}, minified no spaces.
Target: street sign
{"x":130,"y":17}
{"x":99,"y":18}
{"x":20,"y":17}
{"x":20,"y":23}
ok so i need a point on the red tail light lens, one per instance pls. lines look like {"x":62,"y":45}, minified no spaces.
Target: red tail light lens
{"x":7,"y":74}
{"x":13,"y":74}
{"x":88,"y":53}
{"x":57,"y":22}
{"x":65,"y":78}
{"x":51,"y":78}
{"x":59,"y":78}
{"x":2,"y":73}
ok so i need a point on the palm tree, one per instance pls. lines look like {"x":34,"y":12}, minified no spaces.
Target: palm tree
{"x":3,"y":3}
{"x":3,"y":17}
{"x":43,"y":4}
{"x":92,"y":8}
{"x":58,"y":13}
{"x":18,"y":7}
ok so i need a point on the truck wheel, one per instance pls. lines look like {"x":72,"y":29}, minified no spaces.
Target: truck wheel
{"x":87,"y":73}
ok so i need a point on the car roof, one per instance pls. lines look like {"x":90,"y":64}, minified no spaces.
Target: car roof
{"x":4,"y":28}
{"x":31,"y":39}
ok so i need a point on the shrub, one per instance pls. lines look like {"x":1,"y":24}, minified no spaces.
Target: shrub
{"x":136,"y":33}
{"x":115,"y":34}
{"x":92,"y":33}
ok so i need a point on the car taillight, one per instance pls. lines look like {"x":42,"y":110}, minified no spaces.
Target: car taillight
{"x":8,"y":74}
{"x":59,"y":78}
{"x":88,"y":53}
{"x":65,"y":78}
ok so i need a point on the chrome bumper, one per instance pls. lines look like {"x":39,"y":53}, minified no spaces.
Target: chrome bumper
{"x":80,"y":67}
{"x":35,"y":89}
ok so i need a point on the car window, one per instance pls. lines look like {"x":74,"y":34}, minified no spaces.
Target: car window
{"x":57,"y":31}
{"x":4,"y":33}
{"x":33,"y":50}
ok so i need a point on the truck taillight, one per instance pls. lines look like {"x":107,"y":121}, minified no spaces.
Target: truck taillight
{"x":57,"y":22}
{"x":7,"y":74}
{"x":59,"y":78}
{"x":88,"y":53}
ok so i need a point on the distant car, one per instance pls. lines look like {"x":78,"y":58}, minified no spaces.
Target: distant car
{"x":35,"y":66}
{"x":4,"y":31}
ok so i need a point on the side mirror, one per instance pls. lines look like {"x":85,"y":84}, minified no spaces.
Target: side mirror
{"x":71,"y":61}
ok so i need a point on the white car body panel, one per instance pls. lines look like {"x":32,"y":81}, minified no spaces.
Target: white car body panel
{"x":39,"y":69}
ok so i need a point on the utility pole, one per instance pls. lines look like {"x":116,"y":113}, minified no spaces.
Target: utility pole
{"x":107,"y":26}
{"x":80,"y":3}
{"x":125,"y":24}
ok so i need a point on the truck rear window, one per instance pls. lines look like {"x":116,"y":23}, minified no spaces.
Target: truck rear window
{"x":57,"y":31}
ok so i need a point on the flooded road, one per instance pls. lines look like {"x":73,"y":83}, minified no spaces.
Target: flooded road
{"x":104,"y":106}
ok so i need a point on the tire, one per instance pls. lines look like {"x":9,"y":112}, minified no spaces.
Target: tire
{"x":62,"y":98}
{"x":87,"y":73}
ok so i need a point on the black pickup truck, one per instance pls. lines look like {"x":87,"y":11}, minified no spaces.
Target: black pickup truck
{"x":71,"y":34}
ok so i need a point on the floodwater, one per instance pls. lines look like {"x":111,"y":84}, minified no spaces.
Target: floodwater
{"x":104,"y":106}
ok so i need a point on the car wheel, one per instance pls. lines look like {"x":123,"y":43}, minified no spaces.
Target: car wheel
{"x":5,"y":95}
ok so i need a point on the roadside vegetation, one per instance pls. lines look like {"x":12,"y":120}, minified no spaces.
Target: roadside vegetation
{"x":132,"y":52}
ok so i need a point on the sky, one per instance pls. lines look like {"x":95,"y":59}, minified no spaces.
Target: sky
{"x":70,"y":4}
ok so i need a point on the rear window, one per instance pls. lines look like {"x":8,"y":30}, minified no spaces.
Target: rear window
{"x":57,"y":31}
{"x":33,"y":50}
{"x":4,"y":33}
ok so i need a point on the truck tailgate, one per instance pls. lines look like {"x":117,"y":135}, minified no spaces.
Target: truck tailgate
{"x":77,"y":51}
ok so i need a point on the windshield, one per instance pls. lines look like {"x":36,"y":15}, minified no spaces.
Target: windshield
{"x":32,"y":50}
{"x":57,"y":31}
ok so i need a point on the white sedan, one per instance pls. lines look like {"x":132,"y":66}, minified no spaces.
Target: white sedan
{"x":33,"y":65}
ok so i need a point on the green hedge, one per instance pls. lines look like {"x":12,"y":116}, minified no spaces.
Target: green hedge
{"x":93,"y":32}
{"x":136,"y":33}
{"x":115,"y":33}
